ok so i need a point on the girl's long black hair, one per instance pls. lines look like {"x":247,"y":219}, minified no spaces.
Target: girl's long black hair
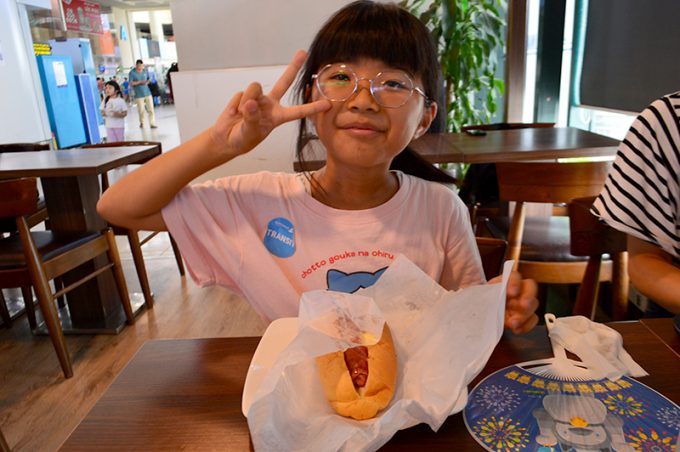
{"x":116,"y":88}
{"x":385,"y":32}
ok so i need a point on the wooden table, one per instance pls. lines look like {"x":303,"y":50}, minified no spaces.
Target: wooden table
{"x":70,"y":181}
{"x":664,"y":330}
{"x":507,"y":145}
{"x":177,"y":394}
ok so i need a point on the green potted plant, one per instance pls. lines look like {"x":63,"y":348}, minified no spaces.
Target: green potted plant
{"x":468,"y":34}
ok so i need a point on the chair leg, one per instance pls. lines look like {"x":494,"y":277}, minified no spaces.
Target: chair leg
{"x":119,"y":277}
{"x":28,"y":304}
{"x":49,"y":312}
{"x":4,"y":312}
{"x":178,"y":255}
{"x":586,"y":299}
{"x":59,"y":284}
{"x":138,"y":257}
{"x":45,"y":298}
{"x":620,"y":285}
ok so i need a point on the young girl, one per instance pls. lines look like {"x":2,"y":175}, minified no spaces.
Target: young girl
{"x":367,"y":90}
{"x":114,"y":110}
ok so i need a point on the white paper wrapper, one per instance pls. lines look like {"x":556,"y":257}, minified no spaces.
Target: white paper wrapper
{"x":442,"y":339}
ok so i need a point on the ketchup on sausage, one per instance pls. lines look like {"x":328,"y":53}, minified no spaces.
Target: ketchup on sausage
{"x":356,"y":359}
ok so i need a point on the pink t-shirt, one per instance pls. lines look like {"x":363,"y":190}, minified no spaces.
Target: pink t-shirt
{"x":264,"y":236}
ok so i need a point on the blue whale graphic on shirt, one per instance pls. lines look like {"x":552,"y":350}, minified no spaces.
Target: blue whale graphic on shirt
{"x":351,"y":282}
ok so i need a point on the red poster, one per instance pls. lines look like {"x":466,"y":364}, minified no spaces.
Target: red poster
{"x":82,"y":16}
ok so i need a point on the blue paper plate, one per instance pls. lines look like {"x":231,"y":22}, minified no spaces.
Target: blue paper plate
{"x":516,"y":410}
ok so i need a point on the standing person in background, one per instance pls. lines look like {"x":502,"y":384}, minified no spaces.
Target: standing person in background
{"x":139,"y":80}
{"x":114,"y":111}
{"x":641,"y":197}
{"x":168,"y":80}
{"x":126,"y":88}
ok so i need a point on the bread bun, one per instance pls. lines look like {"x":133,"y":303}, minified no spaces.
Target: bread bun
{"x":365,"y":402}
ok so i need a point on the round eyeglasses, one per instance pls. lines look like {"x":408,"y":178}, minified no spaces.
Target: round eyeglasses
{"x":337,"y":82}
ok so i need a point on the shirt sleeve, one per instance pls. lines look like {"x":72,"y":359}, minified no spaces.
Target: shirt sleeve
{"x":202,"y":221}
{"x":640,"y":196}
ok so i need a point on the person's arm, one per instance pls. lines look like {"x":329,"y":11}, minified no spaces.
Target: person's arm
{"x":136,"y":200}
{"x":652,"y":272}
{"x":135,"y":82}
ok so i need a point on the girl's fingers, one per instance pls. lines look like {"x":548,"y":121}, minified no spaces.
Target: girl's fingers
{"x":252,"y":92}
{"x":301,"y":111}
{"x":232,"y":106}
{"x":288,"y":77}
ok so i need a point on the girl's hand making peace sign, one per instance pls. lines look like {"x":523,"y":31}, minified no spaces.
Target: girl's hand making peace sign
{"x":251,"y":115}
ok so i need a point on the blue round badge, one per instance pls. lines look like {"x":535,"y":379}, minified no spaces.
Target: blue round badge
{"x":279,"y":238}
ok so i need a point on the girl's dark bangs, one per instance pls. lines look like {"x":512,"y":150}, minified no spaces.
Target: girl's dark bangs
{"x":372,"y":37}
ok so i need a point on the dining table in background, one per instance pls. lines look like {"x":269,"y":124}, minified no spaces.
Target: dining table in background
{"x":71,"y":186}
{"x":186,"y":393}
{"x":549,"y":143}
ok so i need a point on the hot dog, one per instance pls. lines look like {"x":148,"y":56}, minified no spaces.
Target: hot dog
{"x":360,"y":381}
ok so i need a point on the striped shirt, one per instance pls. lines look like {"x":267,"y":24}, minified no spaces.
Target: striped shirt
{"x":641,"y":195}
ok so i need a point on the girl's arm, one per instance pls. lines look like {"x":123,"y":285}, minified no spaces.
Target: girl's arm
{"x":136,"y":200}
{"x":652,"y":272}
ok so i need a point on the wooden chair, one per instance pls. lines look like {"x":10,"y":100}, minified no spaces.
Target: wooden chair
{"x":540,"y":246}
{"x":133,"y":235}
{"x":8,"y":226}
{"x":480,"y":185}
{"x":492,"y":252}
{"x":35,"y":258}
{"x":39,"y":215}
{"x":593,"y":238}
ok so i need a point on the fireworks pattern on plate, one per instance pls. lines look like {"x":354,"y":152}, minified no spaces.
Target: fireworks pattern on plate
{"x":501,"y":411}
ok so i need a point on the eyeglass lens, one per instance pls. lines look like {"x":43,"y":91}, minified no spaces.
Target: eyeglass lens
{"x":338,"y":82}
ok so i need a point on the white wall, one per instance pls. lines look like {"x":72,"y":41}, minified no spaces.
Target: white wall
{"x":23,"y":116}
{"x":222,"y":47}
{"x":200,"y":96}
{"x":214,"y":34}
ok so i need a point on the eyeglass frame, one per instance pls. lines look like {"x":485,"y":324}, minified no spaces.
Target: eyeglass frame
{"x":357,"y":79}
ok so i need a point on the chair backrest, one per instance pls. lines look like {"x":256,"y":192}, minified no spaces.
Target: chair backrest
{"x":544,"y":182}
{"x":24,"y":147}
{"x":18,"y":197}
{"x":480,"y":184}
{"x":590,"y":237}
{"x":492,"y":251}
{"x":550,"y":182}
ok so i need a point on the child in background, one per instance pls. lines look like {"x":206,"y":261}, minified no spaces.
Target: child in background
{"x":114,"y":110}
{"x":367,"y":90}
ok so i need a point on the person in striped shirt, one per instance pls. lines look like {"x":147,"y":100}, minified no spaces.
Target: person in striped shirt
{"x":641,"y":197}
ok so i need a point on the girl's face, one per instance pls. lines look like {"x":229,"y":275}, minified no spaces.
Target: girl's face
{"x":110,"y":90}
{"x":359,"y":132}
